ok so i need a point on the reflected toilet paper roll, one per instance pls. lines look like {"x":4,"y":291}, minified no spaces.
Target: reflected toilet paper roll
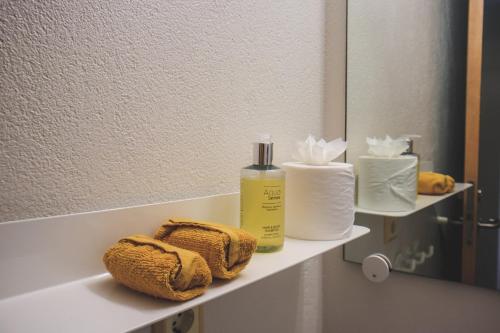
{"x":319,"y":200}
{"x":387,"y":183}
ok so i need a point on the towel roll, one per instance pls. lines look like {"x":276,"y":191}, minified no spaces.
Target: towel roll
{"x":432,"y":183}
{"x":387,"y":183}
{"x":227,"y":250}
{"x":158,"y":269}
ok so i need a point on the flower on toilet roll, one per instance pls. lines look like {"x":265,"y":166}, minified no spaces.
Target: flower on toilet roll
{"x":319,"y":152}
{"x":387,"y":147}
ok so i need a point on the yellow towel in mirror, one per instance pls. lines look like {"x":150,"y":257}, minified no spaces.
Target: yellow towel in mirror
{"x":158,"y":269}
{"x":434,"y":183}
{"x":227,"y":250}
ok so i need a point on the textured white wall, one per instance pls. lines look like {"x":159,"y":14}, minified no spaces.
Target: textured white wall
{"x":111,"y":104}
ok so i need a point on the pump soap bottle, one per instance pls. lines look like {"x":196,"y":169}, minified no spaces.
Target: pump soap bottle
{"x":409,"y":138}
{"x":262,"y":199}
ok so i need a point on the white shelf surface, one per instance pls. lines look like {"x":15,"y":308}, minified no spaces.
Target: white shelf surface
{"x":423,"y":201}
{"x":99,"y":304}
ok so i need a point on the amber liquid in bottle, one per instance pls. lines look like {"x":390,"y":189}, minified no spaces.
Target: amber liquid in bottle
{"x":262,"y":205}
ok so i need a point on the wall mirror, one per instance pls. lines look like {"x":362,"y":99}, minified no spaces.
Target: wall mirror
{"x":441,"y":82}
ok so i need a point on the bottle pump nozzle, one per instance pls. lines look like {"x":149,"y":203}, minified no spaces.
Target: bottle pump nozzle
{"x":263,"y":150}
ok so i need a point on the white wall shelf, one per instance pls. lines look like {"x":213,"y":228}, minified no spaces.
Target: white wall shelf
{"x":53,"y":280}
{"x":99,"y":304}
{"x":423,"y":201}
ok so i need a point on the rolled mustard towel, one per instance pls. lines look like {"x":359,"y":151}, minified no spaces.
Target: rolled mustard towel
{"x":227,"y":250}
{"x":434,"y":183}
{"x":158,"y":269}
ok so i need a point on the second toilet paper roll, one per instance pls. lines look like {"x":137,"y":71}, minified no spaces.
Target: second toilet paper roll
{"x":319,"y":200}
{"x":387,"y":183}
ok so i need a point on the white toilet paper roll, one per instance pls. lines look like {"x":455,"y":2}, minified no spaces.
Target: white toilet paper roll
{"x":387,"y":183}
{"x":319,"y":200}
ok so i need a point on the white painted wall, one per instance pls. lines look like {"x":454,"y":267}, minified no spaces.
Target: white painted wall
{"x":403,"y":303}
{"x":288,"y":302}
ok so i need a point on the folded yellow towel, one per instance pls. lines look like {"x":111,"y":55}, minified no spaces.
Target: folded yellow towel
{"x":158,"y":269}
{"x":434,"y":183}
{"x":227,"y":250}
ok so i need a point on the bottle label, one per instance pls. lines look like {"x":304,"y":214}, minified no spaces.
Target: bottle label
{"x":262,"y":212}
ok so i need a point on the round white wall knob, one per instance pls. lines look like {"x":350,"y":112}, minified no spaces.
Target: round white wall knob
{"x":376,"y":267}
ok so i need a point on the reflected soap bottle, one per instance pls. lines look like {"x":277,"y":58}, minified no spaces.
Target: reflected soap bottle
{"x":410,"y":152}
{"x":262,"y":187}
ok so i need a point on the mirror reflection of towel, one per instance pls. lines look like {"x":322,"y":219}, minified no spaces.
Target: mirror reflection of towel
{"x":435,"y":183}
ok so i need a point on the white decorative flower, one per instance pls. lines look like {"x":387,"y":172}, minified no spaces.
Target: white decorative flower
{"x":319,"y":152}
{"x":387,"y":147}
